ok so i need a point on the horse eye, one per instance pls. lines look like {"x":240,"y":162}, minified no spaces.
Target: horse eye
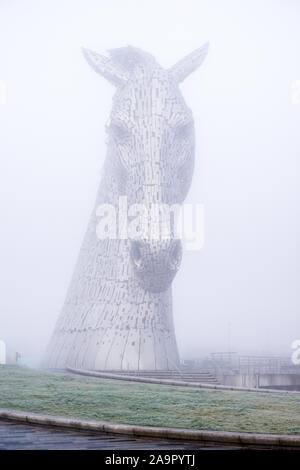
{"x":183,"y":131}
{"x":119,"y":132}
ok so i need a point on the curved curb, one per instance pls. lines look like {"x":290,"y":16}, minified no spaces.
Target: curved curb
{"x":274,"y":440}
{"x":181,"y":383}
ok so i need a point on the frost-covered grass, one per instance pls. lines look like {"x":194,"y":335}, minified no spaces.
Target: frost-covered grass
{"x":153,"y":405}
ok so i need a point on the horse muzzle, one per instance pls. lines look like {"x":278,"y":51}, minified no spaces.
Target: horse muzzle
{"x":155,"y":263}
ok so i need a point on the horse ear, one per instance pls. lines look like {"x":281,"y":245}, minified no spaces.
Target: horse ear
{"x":189,"y":63}
{"x":106,"y":67}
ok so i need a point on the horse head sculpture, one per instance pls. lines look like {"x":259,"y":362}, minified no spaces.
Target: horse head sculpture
{"x":151,"y":144}
{"x":118,"y":311}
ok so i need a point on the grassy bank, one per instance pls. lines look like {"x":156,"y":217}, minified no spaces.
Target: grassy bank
{"x":153,"y":405}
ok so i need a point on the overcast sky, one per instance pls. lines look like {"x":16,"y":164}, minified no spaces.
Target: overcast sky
{"x":247,"y":120}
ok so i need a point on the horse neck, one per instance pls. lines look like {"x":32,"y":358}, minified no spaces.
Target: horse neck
{"x":115,"y":254}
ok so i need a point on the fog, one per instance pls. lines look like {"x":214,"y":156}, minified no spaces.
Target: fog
{"x":240,"y":292}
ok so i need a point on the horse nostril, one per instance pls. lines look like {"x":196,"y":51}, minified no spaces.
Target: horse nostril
{"x":175,"y":257}
{"x":136,"y":254}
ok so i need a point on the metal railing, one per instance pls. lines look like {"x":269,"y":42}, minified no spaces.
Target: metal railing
{"x":267,"y":365}
{"x":247,"y":364}
{"x":234,"y":363}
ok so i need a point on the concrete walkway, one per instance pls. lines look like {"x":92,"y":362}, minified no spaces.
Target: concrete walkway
{"x":16,"y":436}
{"x":181,"y":434}
{"x":180,"y":383}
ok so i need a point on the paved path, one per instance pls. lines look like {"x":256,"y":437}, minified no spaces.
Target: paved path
{"x":170,"y":381}
{"x":22,"y":436}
